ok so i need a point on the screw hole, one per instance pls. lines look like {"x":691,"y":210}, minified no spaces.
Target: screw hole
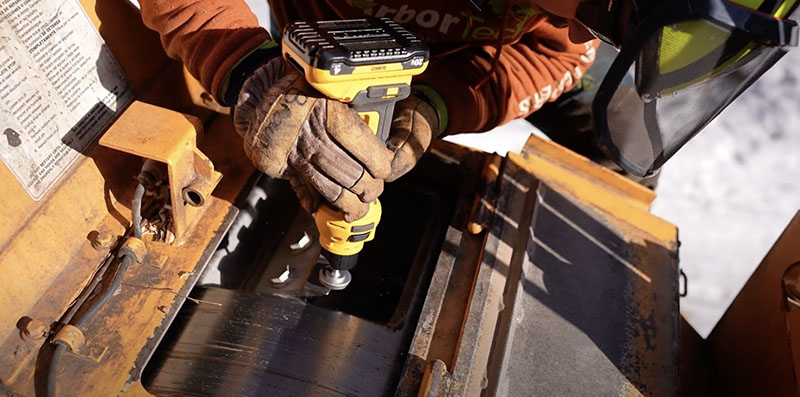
{"x":193,"y":197}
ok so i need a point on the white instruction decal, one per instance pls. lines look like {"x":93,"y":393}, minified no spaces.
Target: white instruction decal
{"x":59,"y":89}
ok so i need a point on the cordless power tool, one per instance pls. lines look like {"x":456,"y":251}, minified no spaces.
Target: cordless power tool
{"x":367,"y":63}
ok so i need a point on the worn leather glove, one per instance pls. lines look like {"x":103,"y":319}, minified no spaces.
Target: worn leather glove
{"x":414,"y":123}
{"x":322,"y":146}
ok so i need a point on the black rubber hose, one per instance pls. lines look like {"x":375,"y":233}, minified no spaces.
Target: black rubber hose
{"x":52,"y":372}
{"x":128,"y":258}
{"x":136,"y":211}
{"x":89,"y":290}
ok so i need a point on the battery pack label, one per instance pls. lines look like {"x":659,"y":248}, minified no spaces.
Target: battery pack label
{"x":60,"y":88}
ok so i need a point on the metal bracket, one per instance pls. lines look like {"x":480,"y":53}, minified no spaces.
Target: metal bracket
{"x":484,"y":204}
{"x":72,"y":336}
{"x":136,"y":246}
{"x":169,"y":137}
{"x":437,"y":381}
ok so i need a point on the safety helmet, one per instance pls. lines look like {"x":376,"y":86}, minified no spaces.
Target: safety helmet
{"x":681,"y":62}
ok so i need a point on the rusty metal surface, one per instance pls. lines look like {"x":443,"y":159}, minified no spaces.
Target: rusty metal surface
{"x":754,"y":346}
{"x":143,"y":295}
{"x":132,"y":317}
{"x":572,"y":289}
{"x":46,"y":251}
{"x":502,"y":239}
{"x":418,"y":352}
{"x":436,"y":336}
{"x":169,"y":137}
{"x":137,"y":313}
{"x":150,"y":290}
{"x":43,"y":266}
{"x":523,"y":186}
{"x":597,"y":308}
{"x":50,"y":250}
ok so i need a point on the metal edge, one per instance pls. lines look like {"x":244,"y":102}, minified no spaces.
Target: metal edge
{"x":158,"y":334}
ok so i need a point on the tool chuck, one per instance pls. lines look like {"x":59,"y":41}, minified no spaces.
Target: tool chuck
{"x":334,"y":279}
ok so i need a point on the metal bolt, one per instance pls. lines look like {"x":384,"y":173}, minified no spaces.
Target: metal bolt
{"x":102,"y":240}
{"x":33,"y":330}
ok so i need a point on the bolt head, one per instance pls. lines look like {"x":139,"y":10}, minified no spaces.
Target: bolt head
{"x":34,"y":330}
{"x":102,"y":240}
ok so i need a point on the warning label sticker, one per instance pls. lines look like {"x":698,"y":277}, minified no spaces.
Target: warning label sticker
{"x":59,"y":89}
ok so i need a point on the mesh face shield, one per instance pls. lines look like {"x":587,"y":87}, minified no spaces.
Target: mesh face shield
{"x":683,"y":64}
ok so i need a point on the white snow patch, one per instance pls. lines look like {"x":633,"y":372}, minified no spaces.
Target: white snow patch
{"x":510,"y":137}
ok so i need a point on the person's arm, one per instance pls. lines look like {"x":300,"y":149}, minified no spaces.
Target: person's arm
{"x":219,"y":41}
{"x":535,"y":70}
{"x":321,"y":146}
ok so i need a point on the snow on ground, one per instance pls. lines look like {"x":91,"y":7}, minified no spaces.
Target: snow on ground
{"x":510,"y":137}
{"x":731,"y":190}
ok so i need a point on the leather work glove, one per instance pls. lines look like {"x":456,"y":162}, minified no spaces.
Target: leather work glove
{"x":322,"y":146}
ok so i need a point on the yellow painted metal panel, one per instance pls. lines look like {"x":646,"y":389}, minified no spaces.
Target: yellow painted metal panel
{"x":46,"y":256}
{"x":625,"y":201}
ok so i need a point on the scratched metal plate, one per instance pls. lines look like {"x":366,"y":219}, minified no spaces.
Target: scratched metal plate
{"x":352,"y":342}
{"x":597,"y":308}
{"x":238,"y":343}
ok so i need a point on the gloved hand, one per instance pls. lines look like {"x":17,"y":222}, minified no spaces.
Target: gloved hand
{"x":322,"y":146}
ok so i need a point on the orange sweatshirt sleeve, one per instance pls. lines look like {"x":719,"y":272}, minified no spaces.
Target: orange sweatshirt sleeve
{"x":209,"y":36}
{"x":539,"y":67}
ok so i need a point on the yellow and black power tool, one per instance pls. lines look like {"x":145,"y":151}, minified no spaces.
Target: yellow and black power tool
{"x":367,"y":63}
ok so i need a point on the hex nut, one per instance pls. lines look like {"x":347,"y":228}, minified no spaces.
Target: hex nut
{"x":102,"y":240}
{"x":33,"y":330}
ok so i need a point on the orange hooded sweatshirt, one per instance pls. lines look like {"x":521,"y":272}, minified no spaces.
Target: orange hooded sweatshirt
{"x":471,"y":90}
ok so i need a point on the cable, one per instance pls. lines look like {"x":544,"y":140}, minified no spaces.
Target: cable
{"x":128,"y":258}
{"x":89,"y":290}
{"x":136,"y":210}
{"x":136,"y":213}
{"x":52,"y":372}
